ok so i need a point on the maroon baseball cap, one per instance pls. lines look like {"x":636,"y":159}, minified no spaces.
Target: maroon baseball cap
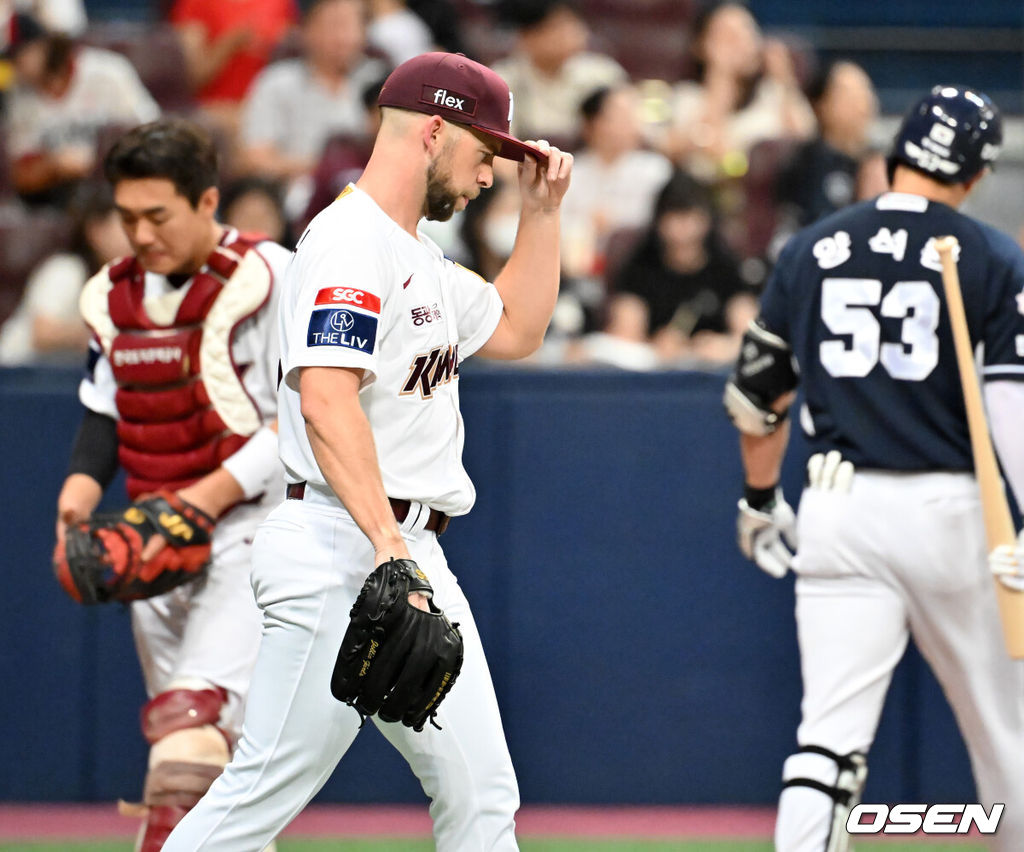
{"x":460,"y":90}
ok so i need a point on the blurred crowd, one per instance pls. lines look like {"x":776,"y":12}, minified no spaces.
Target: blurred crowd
{"x":701,"y":143}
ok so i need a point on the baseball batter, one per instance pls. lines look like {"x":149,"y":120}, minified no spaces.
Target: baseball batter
{"x":181,"y":392}
{"x":375,"y":326}
{"x":891,"y":539}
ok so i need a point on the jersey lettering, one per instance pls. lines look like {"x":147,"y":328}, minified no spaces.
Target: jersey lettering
{"x":886,"y":242}
{"x":847,"y":309}
{"x":832,"y":251}
{"x":150,"y":355}
{"x":342,"y":328}
{"x":879,"y":379}
{"x":437,"y":367}
{"x":930,"y":256}
{"x":348,"y":296}
{"x":425,"y":313}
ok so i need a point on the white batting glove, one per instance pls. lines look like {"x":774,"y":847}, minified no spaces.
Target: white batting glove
{"x":768,"y":536}
{"x":1007,"y":563}
{"x":830,"y":472}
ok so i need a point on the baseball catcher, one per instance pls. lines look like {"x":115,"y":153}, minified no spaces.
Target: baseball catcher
{"x":396,"y":660}
{"x":110,"y":556}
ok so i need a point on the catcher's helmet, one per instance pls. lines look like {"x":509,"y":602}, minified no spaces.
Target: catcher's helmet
{"x":951,"y":134}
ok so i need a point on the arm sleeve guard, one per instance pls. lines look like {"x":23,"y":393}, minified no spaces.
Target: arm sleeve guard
{"x":95,"y":449}
{"x":1005,"y":403}
{"x":764,"y":371}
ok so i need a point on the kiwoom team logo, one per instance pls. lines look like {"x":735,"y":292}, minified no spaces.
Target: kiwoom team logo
{"x":927,"y":819}
{"x":437,"y":367}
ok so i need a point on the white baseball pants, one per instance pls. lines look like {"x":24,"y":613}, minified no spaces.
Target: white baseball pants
{"x":901,"y":555}
{"x":209,"y":628}
{"x":309,"y":565}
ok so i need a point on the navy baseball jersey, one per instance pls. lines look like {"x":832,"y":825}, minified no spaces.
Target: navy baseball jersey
{"x":859,"y":298}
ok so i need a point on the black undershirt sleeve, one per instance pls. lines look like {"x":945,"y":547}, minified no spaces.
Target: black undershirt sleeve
{"x":94,"y":452}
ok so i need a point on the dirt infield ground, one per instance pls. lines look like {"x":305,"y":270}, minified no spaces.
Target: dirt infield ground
{"x":385,"y":828}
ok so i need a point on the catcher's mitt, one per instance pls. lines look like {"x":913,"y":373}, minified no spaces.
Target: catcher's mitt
{"x":101,"y":559}
{"x":396,"y":660}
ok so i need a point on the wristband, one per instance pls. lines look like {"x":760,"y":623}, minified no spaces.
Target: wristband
{"x":759,"y":499}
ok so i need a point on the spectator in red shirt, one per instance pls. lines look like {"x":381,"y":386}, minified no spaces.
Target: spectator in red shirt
{"x":227,"y":44}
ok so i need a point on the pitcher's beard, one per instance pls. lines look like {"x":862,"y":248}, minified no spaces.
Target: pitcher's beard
{"x":441,"y":200}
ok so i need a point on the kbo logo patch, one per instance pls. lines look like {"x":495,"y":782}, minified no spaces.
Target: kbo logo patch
{"x":342,"y":328}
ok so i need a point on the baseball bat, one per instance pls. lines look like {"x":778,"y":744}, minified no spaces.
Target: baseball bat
{"x":999,"y":529}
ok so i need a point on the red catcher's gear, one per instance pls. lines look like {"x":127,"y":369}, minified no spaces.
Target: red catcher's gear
{"x":169,"y":432}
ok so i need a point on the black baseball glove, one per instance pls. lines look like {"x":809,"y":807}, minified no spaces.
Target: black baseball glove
{"x":396,"y":660}
{"x":101,"y":560}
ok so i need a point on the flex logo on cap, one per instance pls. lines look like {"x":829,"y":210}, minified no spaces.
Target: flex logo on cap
{"x":448,"y":99}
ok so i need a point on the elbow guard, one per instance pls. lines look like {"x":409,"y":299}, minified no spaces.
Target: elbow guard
{"x":764,"y":372}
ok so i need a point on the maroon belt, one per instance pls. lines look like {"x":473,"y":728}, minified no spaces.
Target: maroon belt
{"x":437,"y":522}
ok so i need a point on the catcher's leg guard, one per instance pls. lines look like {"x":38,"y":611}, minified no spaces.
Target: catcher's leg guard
{"x":819,"y":790}
{"x":187,"y":754}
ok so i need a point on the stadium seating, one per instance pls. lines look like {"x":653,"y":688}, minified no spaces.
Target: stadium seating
{"x":157,"y":55}
{"x":26,"y":238}
{"x":760,"y":207}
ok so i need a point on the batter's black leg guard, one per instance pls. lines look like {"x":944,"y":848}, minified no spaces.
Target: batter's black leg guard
{"x":187,"y":753}
{"x":840,"y":777}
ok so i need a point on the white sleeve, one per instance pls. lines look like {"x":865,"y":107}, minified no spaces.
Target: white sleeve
{"x":23,"y":124}
{"x":336,"y":290}
{"x":98,"y":389}
{"x":55,"y":285}
{"x":261,"y":113}
{"x":478,"y":309}
{"x":256,"y":467}
{"x":262,"y":345}
{"x":130,"y":97}
{"x":1004,"y":401}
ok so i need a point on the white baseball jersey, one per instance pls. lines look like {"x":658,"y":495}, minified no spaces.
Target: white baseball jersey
{"x":363,"y":293}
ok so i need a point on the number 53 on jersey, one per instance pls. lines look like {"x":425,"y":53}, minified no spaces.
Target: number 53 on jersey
{"x":851,"y":309}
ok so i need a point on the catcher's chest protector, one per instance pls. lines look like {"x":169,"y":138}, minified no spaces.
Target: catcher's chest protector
{"x":182,"y":405}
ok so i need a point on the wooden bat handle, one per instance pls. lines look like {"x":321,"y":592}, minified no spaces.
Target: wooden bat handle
{"x":999,"y":529}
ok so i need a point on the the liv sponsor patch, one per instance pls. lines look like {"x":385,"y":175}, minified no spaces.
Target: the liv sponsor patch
{"x":927,"y":819}
{"x":338,"y":327}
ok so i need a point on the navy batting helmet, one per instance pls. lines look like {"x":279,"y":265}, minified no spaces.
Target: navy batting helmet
{"x":951,"y":134}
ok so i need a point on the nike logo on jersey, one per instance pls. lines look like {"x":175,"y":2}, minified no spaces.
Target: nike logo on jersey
{"x":439,"y":366}
{"x":407,"y":280}
{"x":348,"y":296}
{"x":342,"y":328}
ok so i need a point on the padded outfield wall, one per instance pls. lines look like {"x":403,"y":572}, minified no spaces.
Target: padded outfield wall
{"x":637,"y":657}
